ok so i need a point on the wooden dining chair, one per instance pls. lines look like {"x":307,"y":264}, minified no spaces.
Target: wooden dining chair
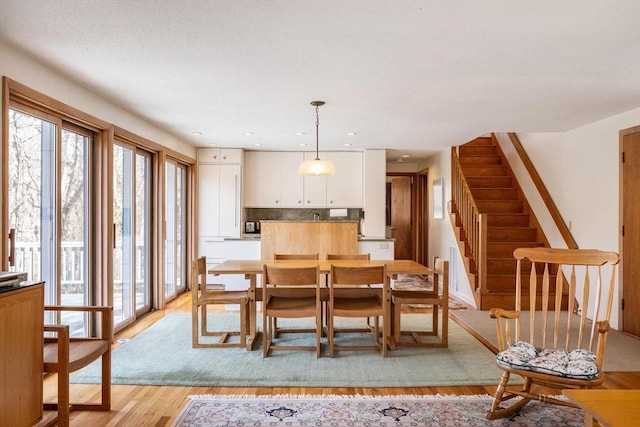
{"x":64,"y":354}
{"x":437,"y":297}
{"x":203,"y":295}
{"x":347,"y":257}
{"x":290,"y":257}
{"x":294,"y":293}
{"x":351,"y":295}
{"x":568,"y":324}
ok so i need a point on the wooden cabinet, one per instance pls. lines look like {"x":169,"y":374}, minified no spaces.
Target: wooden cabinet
{"x":21,"y":354}
{"x":272,"y":180}
{"x":308,"y":237}
{"x":219,"y":195}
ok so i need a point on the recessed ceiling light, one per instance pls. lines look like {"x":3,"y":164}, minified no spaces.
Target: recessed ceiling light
{"x":405,"y":155}
{"x":213,"y":144}
{"x":196,"y":132}
{"x":299,"y":133}
{"x":351,"y":134}
{"x":248,"y":133}
{"x":303,"y":145}
{"x":257,"y":144}
{"x":347,"y":145}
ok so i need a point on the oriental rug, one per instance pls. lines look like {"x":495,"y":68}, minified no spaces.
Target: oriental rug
{"x":356,"y":411}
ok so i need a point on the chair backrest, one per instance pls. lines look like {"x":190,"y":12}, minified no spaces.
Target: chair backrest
{"x":294,"y":257}
{"x":357,"y":276}
{"x":558,"y":298}
{"x":365,"y":257}
{"x":278,"y":280}
{"x":441,"y":274}
{"x":199,"y":274}
{"x":290,"y":276}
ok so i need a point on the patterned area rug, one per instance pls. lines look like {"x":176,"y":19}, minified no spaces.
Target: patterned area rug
{"x":355,"y":411}
{"x":416,"y":282}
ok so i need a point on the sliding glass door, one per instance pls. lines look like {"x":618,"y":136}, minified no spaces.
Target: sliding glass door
{"x":48,"y":206}
{"x":132,"y":219}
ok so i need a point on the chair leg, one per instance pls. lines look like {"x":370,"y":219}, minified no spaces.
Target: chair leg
{"x":396,"y":323}
{"x":330,"y":333}
{"x":499,"y":397}
{"x":243,"y":325}
{"x":266,"y":327}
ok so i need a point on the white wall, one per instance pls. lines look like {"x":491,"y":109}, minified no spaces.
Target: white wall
{"x":580,"y":169}
{"x":374,"y":193}
{"x":22,"y":69}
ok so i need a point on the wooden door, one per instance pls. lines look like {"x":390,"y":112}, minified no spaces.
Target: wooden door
{"x":401,"y":217}
{"x":630,"y":144}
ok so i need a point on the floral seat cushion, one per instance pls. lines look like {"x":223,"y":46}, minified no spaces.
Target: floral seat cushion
{"x":580,"y":364}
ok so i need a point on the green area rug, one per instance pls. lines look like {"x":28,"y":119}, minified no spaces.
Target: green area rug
{"x":162,"y":355}
{"x":356,"y":411}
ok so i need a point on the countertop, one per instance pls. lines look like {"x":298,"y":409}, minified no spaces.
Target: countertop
{"x":18,"y":286}
{"x":360,"y":238}
{"x":308,"y":220}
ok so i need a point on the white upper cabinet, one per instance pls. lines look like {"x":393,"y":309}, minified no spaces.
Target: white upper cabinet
{"x":220,"y":155}
{"x":342,"y":190}
{"x":219,"y":192}
{"x":292,"y":183}
{"x":262,"y":179}
{"x":272,"y":180}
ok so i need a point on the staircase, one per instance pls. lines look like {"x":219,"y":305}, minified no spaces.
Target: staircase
{"x":498,"y":220}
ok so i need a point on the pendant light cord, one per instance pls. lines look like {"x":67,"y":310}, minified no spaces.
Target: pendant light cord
{"x":317,"y":131}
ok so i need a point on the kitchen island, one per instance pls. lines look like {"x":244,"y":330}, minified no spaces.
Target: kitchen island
{"x":308,"y":237}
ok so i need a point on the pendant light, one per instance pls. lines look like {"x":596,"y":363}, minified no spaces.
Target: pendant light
{"x":316,"y":166}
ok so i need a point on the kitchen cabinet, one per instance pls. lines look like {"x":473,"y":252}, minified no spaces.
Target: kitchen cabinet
{"x":292,"y":183}
{"x":342,"y":190}
{"x":21,"y":354}
{"x":220,"y":155}
{"x":272,"y":180}
{"x":219,"y":194}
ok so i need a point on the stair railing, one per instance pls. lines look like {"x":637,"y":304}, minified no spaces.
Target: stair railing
{"x":473,"y":224}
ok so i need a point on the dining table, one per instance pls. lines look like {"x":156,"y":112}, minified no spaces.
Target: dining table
{"x":252,"y":268}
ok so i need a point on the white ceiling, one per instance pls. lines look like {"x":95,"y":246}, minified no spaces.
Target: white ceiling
{"x":412,"y":76}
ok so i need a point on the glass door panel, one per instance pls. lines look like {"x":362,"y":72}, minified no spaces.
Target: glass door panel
{"x":31,"y":198}
{"x":175,"y":229}
{"x":170,"y":230}
{"x":143,"y":232}
{"x":123,"y":216}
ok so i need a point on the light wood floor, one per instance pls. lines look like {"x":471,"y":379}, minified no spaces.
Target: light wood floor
{"x":159,"y":405}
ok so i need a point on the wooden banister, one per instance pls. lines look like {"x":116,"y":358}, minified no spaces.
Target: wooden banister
{"x":473,"y":223}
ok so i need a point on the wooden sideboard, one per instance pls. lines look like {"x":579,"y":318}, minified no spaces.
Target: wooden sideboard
{"x":21,"y":353}
{"x":308,"y":237}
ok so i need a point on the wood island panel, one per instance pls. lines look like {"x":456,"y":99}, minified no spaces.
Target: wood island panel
{"x":21,"y":354}
{"x":321,"y":237}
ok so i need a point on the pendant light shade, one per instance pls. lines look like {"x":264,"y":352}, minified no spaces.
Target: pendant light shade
{"x":316,"y":166}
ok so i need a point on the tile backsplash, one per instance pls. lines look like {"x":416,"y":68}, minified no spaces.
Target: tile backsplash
{"x":295,"y":214}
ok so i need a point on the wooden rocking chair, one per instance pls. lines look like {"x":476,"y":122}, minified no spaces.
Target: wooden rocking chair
{"x":559,"y":349}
